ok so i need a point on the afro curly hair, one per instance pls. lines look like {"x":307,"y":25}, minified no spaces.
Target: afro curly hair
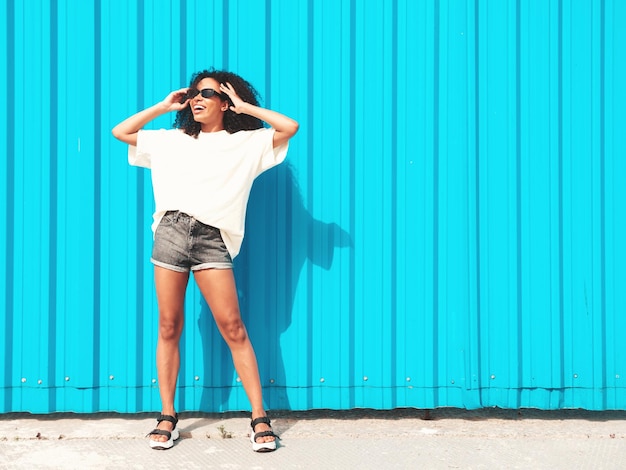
{"x":233,"y":122}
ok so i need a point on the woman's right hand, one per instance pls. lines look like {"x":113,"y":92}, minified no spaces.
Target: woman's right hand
{"x":176,"y":100}
{"x":127,"y":130}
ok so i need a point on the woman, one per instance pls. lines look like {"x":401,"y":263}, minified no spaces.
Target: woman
{"x":202,"y":173}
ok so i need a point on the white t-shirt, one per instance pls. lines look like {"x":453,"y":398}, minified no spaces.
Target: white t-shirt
{"x":208,"y":177}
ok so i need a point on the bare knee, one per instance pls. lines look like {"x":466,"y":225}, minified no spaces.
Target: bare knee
{"x":170,"y":328}
{"x":234,"y":332}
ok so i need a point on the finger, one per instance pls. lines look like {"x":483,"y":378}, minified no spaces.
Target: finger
{"x":180,"y":97}
{"x":177,"y":95}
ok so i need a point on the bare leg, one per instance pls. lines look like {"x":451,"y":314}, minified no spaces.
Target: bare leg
{"x":219,"y":291}
{"x":170,"y":290}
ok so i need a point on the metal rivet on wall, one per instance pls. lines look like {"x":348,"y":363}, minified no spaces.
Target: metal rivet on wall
{"x":575,"y":376}
{"x":452,"y":382}
{"x":196,"y":378}
{"x":153,"y":381}
{"x":617,"y":376}
{"x":493,"y":377}
{"x":67,"y":378}
{"x":322,"y":380}
{"x":365,"y":378}
{"x":40,"y":381}
{"x":272,"y":381}
{"x":111,"y":377}
{"x":408,"y":379}
{"x":238,"y":379}
{"x":23,"y":379}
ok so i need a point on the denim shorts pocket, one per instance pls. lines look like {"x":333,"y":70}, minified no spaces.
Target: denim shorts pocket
{"x":168,"y":219}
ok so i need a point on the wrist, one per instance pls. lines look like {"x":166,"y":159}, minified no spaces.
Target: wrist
{"x":161,"y":108}
{"x":246,"y":108}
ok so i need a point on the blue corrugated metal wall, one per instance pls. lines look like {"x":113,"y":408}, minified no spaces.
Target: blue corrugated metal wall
{"x":449,"y":230}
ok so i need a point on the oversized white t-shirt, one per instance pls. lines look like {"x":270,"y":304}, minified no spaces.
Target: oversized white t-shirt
{"x":208,"y":177}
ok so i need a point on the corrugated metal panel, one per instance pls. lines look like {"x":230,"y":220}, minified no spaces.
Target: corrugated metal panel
{"x":448,"y":230}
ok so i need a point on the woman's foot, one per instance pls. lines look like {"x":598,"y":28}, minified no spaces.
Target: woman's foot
{"x":262,"y":437}
{"x":163,"y":436}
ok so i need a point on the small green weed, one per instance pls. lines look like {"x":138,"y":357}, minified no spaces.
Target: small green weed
{"x":224,"y":433}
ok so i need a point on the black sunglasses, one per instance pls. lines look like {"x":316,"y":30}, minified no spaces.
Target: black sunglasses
{"x":206,"y":93}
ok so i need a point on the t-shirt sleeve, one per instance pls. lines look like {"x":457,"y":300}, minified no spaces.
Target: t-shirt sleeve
{"x":272,"y":156}
{"x":147,"y":142}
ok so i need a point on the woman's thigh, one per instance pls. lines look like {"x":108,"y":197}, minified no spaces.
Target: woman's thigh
{"x":219,"y":290}
{"x":170,"y":291}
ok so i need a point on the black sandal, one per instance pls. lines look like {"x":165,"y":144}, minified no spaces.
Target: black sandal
{"x":262,"y":446}
{"x":171,"y":436}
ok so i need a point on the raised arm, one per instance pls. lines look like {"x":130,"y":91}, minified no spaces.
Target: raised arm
{"x":284,"y":127}
{"x":127,"y":130}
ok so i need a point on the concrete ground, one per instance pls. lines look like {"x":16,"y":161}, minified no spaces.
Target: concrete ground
{"x":356,"y":439}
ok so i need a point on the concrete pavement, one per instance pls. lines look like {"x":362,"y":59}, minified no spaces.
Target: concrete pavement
{"x":355,"y":439}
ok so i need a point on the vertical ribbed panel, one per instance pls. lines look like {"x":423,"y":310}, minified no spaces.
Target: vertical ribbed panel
{"x":448,"y":230}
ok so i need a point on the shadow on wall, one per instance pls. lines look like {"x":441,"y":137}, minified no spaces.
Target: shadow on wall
{"x":281,"y":235}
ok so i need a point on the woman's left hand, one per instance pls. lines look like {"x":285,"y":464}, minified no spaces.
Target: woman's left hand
{"x":238,"y":104}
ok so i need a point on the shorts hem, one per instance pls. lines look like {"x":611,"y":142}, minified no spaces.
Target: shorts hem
{"x":171,"y":267}
{"x":214,"y":265}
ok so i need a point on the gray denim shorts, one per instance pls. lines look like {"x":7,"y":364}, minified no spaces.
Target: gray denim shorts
{"x":181,"y":243}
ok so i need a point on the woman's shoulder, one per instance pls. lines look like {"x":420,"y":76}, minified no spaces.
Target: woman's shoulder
{"x":251,"y":134}
{"x":163,"y":132}
{"x":160,"y":140}
{"x":224,"y":135}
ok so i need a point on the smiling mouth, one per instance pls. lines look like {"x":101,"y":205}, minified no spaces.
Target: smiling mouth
{"x":198,"y":108}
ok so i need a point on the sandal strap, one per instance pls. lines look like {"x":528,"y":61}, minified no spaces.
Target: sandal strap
{"x":262,"y":419}
{"x":263,"y":434}
{"x":160,"y":432}
{"x":169,"y":418}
